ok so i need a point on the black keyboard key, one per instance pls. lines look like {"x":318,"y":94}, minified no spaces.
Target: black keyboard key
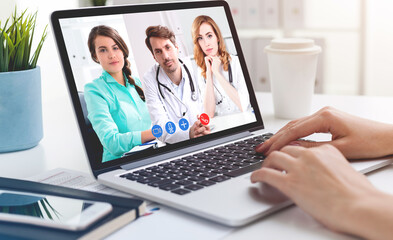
{"x":196,"y":179}
{"x":146,"y":174}
{"x":223,"y":163}
{"x":190,"y":173}
{"x":149,"y":180}
{"x":186,"y":168}
{"x":231,"y":160}
{"x":182,"y":163}
{"x":170,"y":166}
{"x":174,"y":171}
{"x":178,"y":177}
{"x":241,"y":164}
{"x":189,"y":158}
{"x":126,"y":175}
{"x":258,"y":156}
{"x":206,"y":183}
{"x":193,"y":187}
{"x":197,"y":165}
{"x":184,"y":182}
{"x":133,"y":177}
{"x":253,"y":160}
{"x":219,"y":171}
{"x":199,"y":155}
{"x":176,"y":161}
{"x":230,"y":168}
{"x":244,"y":170}
{"x":159,"y":170}
{"x":212,"y":166}
{"x":241,"y":157}
{"x":153,"y":168}
{"x":201,"y":170}
{"x":162,"y":175}
{"x":219,"y":178}
{"x":161,"y":182}
{"x":224,"y":150}
{"x":208,"y":161}
{"x":181,"y":191}
{"x":207,"y":174}
{"x":169,"y":187}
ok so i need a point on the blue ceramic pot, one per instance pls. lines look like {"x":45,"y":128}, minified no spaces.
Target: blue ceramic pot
{"x":20,"y":110}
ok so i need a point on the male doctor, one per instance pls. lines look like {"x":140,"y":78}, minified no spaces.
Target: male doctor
{"x":171,"y":92}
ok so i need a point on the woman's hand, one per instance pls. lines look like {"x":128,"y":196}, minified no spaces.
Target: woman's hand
{"x":208,"y":63}
{"x":216,"y":63}
{"x":321,"y":182}
{"x":355,"y":137}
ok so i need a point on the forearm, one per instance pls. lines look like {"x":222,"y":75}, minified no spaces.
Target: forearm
{"x":371,"y":216}
{"x":384,"y":140}
{"x":209,"y":99}
{"x":229,"y":90}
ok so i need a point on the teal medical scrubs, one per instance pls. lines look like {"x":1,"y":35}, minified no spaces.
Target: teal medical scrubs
{"x":117,"y":113}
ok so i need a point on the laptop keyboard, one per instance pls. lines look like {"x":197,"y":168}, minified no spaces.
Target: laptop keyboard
{"x":191,"y":173}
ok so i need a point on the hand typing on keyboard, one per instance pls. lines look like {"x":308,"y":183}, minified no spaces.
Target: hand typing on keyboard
{"x":352,"y":135}
{"x":320,"y":180}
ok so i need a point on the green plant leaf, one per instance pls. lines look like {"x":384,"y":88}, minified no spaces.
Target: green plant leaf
{"x":37,"y":52}
{"x":53,"y":210}
{"x":46,"y":209}
{"x":16,"y":42}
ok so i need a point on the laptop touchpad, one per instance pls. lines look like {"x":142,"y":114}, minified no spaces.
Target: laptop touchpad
{"x":265,"y":193}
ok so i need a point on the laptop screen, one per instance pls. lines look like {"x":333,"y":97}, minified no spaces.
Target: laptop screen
{"x":154,"y":78}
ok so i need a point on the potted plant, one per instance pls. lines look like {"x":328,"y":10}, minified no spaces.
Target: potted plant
{"x":20,"y":83}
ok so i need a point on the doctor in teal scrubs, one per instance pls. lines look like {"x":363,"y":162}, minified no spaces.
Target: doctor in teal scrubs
{"x":115,"y":101}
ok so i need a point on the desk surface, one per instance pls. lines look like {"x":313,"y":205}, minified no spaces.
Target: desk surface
{"x":62,"y":147}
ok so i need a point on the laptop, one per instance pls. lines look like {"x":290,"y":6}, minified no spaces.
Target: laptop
{"x":208,"y":176}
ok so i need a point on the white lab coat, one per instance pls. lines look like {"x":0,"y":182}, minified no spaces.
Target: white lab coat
{"x":227,"y":106}
{"x":159,"y":109}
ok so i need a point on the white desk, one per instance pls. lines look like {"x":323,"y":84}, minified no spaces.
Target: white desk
{"x":62,"y":147}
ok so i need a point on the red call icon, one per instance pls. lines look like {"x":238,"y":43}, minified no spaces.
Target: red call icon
{"x":204,"y":118}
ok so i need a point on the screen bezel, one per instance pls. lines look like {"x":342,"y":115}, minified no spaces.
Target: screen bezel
{"x":99,"y":166}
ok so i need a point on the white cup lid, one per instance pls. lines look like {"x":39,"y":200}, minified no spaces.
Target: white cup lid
{"x":293,"y":46}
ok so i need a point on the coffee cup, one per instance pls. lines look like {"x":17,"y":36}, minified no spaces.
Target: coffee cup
{"x":292,"y":66}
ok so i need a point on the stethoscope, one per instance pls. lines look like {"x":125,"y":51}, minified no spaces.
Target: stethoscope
{"x":193,"y":93}
{"x":230,"y":81}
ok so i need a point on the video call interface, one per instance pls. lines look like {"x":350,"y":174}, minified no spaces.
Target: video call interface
{"x":157,"y":78}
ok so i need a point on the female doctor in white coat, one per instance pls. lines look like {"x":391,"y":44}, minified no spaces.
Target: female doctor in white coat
{"x":170,"y":88}
{"x":220,"y":76}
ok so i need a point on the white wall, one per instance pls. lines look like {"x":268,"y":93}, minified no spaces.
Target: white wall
{"x":341,"y":67}
{"x":49,"y":59}
{"x":379,"y":54}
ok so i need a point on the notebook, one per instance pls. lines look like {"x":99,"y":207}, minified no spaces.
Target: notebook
{"x":190,"y":71}
{"x":124,"y":211}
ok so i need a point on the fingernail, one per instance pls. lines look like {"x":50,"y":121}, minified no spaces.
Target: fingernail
{"x":294,"y":143}
{"x":259,"y":148}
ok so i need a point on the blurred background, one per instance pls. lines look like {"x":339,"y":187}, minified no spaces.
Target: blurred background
{"x":356,"y":37}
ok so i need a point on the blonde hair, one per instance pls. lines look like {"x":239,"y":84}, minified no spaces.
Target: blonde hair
{"x":199,"y":55}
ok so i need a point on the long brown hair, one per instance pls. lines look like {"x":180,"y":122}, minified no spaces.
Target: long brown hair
{"x":106,"y":31}
{"x":199,"y":55}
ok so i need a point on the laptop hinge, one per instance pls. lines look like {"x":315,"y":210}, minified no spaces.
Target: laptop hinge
{"x":186,"y":150}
